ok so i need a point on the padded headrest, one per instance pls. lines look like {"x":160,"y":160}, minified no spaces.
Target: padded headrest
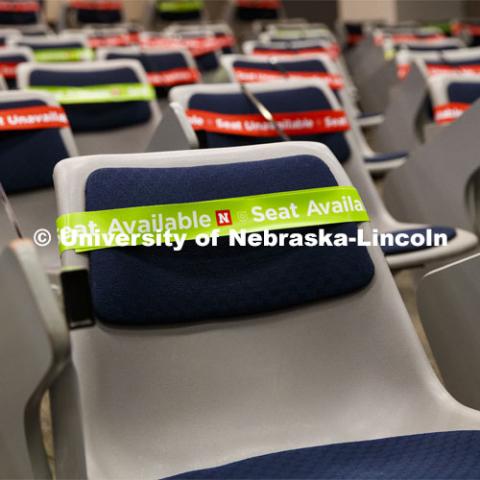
{"x":430,"y":47}
{"x":454,"y":63}
{"x":154,"y":286}
{"x":153,"y":62}
{"x":12,"y":57}
{"x":96,"y":15}
{"x":463,"y":92}
{"x":18,"y":18}
{"x":27,"y":157}
{"x":250,"y":14}
{"x":98,"y":116}
{"x":312,"y":65}
{"x":47,"y":45}
{"x":177,"y":16}
{"x":282,"y":101}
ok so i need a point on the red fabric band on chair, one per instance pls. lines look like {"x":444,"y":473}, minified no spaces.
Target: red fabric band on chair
{"x":440,"y":69}
{"x":8,"y":69}
{"x":19,"y":7}
{"x":254,"y":125}
{"x":174,"y":76}
{"x":332,"y":51}
{"x":33,"y":118}
{"x":449,"y":112}
{"x":247,"y":75}
{"x":261,"y":4}
{"x":90,"y":5}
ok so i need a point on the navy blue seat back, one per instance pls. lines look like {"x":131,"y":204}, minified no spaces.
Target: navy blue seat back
{"x":250,"y":14}
{"x":154,"y":286}
{"x":154,"y":63}
{"x":207,"y":62}
{"x":97,"y":116}
{"x":27,"y":157}
{"x":86,"y":15}
{"x":294,"y":100}
{"x":50,"y":45}
{"x":298,"y":66}
{"x":463,"y":92}
{"x":429,"y":47}
{"x":18,"y":18}
{"x":455,"y":63}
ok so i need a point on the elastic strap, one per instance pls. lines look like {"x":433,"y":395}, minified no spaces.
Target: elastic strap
{"x":273,"y":211}
{"x":112,"y":93}
{"x":33,"y":118}
{"x":254,"y":125}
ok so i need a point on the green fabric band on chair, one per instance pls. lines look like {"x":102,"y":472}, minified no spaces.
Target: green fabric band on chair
{"x":180,"y":7}
{"x":117,"y":92}
{"x":273,"y":211}
{"x":63,"y":55}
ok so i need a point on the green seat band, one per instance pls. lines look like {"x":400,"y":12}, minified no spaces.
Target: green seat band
{"x":273,"y":211}
{"x":63,"y":54}
{"x":180,"y":7}
{"x":117,"y":92}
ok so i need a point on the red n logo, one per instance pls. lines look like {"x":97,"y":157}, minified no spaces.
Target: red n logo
{"x":224,"y":217}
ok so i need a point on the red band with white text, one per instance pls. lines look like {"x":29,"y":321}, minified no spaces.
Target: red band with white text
{"x":261,"y":4}
{"x":174,"y":76}
{"x":120,"y":40}
{"x":16,"y":7}
{"x":332,"y":51}
{"x":33,"y":118}
{"x":254,"y":125}
{"x":8,"y":69}
{"x":92,"y":5}
{"x":196,"y":46}
{"x":247,"y":75}
{"x":442,"y":69}
{"x":449,"y":112}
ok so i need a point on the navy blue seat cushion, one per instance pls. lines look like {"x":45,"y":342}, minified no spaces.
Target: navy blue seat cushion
{"x":154,"y":63}
{"x":97,"y":116}
{"x":430,"y":456}
{"x":461,"y":92}
{"x":385,"y":157}
{"x":313,"y":65}
{"x":152,"y":286}
{"x":294,"y":100}
{"x":394,"y":249}
{"x":27,"y":157}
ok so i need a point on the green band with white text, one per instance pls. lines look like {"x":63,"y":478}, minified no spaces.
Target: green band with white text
{"x":117,"y":92}
{"x":273,"y":211}
{"x":180,"y":6}
{"x":63,"y":54}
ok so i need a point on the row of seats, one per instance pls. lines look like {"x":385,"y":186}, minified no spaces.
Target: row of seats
{"x":238,"y":362}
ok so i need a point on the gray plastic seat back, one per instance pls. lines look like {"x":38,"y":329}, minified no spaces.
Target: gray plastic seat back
{"x":159,"y":401}
{"x":133,"y":138}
